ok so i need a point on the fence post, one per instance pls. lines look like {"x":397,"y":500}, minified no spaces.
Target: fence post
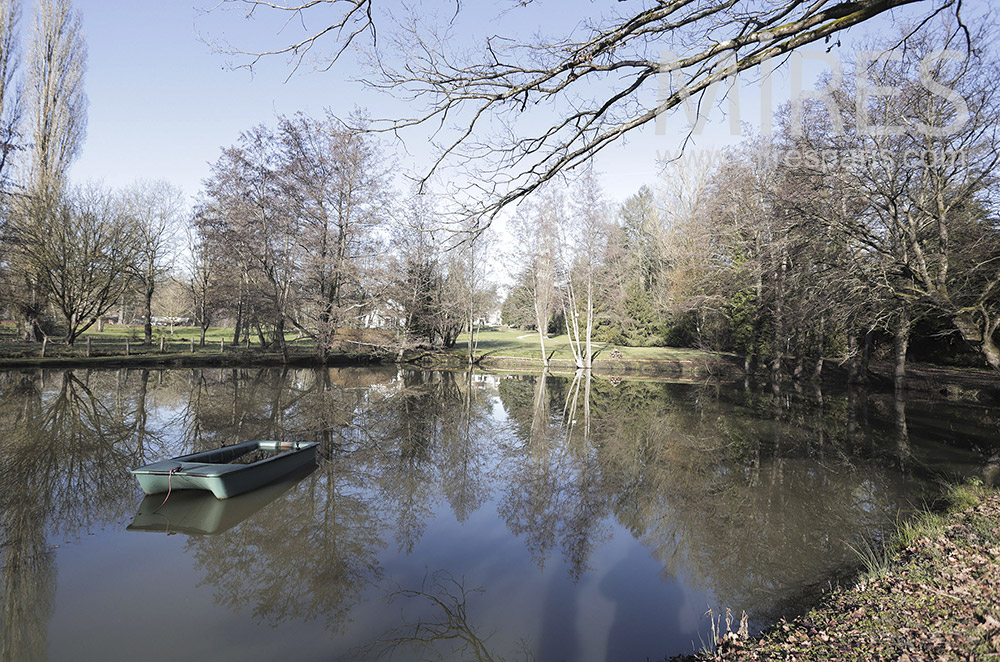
{"x":161,"y":344}
{"x":126,"y":346}
{"x":45,"y":341}
{"x":192,"y":345}
{"x":222,"y":344}
{"x":88,"y":347}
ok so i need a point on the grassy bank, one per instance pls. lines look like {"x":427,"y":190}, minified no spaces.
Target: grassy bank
{"x":499,"y":348}
{"x":932,"y":594}
{"x":181,"y":346}
{"x":503,"y":348}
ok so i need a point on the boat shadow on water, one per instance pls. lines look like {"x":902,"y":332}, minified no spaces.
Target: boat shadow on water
{"x":197,"y":512}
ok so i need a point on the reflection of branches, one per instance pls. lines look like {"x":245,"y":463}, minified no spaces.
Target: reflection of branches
{"x":27,"y":592}
{"x":73,"y":446}
{"x":555,"y":491}
{"x":27,"y":572}
{"x":448,"y":626}
{"x":748,"y":503}
{"x":64,"y":464}
{"x":310,"y":552}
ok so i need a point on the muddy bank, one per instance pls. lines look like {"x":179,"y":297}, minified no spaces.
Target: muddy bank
{"x":935,"y":597}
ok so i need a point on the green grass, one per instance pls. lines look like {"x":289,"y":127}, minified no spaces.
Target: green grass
{"x":877,"y":557}
{"x":113,"y":341}
{"x":180,"y":333}
{"x":494,"y":342}
{"x":500,"y":341}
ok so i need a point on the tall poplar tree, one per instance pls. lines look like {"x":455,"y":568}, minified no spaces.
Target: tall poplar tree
{"x":56,"y":121}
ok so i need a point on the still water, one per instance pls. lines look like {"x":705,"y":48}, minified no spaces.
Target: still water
{"x":450,"y":516}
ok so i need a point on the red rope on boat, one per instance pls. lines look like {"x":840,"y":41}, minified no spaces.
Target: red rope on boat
{"x":169,"y":488}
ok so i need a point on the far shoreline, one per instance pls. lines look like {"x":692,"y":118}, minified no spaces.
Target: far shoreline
{"x":500,"y":350}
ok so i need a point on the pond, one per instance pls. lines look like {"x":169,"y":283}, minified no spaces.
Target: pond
{"x":450,"y":515}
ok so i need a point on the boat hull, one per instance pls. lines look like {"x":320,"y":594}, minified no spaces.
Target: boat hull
{"x":213,"y":471}
{"x":199,"y":513}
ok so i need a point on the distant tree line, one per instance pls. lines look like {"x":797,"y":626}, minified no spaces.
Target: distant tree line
{"x":859,"y":227}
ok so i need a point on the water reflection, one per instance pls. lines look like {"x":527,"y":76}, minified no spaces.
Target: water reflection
{"x":63,"y":447}
{"x":647,"y":500}
{"x":443,"y":631}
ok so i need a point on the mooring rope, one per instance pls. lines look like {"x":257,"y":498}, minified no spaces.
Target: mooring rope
{"x":170,"y":475}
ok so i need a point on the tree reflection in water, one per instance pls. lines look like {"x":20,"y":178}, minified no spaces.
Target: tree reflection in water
{"x":64,"y":459}
{"x":445,"y":633}
{"x":752,"y":498}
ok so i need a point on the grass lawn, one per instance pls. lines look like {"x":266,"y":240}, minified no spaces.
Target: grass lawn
{"x":493,"y":342}
{"x":111,"y":342}
{"x":501,"y":341}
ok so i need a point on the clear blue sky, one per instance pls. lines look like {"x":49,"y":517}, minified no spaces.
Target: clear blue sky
{"x":162,"y":103}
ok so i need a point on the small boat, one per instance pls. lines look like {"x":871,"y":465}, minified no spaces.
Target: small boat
{"x":199,"y":513}
{"x":226,"y":471}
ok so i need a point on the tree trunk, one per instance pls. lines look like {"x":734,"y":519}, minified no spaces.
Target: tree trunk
{"x":990,"y":352}
{"x":974,"y":334}
{"x":860,"y":348}
{"x":472,"y":333}
{"x":573,"y":324}
{"x":901,"y":342}
{"x":852,"y":352}
{"x":820,"y":348}
{"x":31,"y":330}
{"x":867,"y":343}
{"x":902,"y":431}
{"x":541,"y":330}
{"x":589,"y":356}
{"x":147,"y":328}
{"x":279,"y":337}
{"x":239,"y":322}
{"x":541,"y":343}
{"x":779,"y":317}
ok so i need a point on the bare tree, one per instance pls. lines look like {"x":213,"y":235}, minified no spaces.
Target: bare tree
{"x":536,"y":232}
{"x":201,"y":283}
{"x":507,"y":83}
{"x":154,"y":208}
{"x":471,"y":268}
{"x":83,"y":252}
{"x":247,"y":222}
{"x":583,"y":244}
{"x":925,"y":236}
{"x":417,"y":269}
{"x":337,"y":180}
{"x":56,"y":105}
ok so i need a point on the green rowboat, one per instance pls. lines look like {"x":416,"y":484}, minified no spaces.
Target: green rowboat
{"x":221,"y":471}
